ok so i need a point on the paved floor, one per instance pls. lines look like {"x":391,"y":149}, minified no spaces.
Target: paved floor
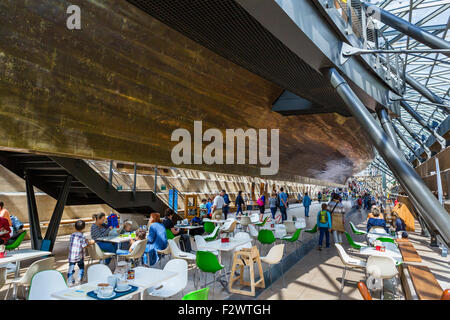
{"x":316,"y":276}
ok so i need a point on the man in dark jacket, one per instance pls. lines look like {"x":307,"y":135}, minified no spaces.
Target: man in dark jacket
{"x":239,"y":203}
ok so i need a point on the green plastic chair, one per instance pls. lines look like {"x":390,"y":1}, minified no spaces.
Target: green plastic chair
{"x":208,"y":262}
{"x":209,"y":227}
{"x":169,"y":234}
{"x":201,"y":294}
{"x":355,"y":230}
{"x":354,"y":244}
{"x":262,"y":223}
{"x":266,"y":237}
{"x":16,"y":243}
{"x":212,"y":236}
{"x":313,"y":230}
{"x":294,"y":238}
{"x":384,"y":239}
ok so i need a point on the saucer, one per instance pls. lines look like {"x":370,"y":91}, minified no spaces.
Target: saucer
{"x":123,"y":290}
{"x":102,"y":297}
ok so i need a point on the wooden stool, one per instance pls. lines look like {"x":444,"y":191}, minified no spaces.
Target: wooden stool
{"x":242,"y":258}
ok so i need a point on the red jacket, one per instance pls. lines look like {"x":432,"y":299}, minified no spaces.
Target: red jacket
{"x":4,"y":224}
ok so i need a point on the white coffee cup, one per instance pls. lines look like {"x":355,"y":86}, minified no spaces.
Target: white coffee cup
{"x":105,"y":290}
{"x":122,"y":284}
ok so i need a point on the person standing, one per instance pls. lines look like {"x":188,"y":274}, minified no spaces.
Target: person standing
{"x":239,"y":203}
{"x":324,"y":224}
{"x":337,"y":212}
{"x":218,"y":203}
{"x":76,"y":252}
{"x":283,"y":204}
{"x":306,"y":204}
{"x":319,"y":197}
{"x":209,"y":206}
{"x":262,"y":205}
{"x":273,"y":204}
{"x":226,"y":205}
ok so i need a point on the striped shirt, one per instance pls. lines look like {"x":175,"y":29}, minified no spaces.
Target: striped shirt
{"x":77,"y":244}
{"x":98,"y":232}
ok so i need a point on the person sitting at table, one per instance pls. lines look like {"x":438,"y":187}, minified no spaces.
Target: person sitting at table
{"x":399,"y":224}
{"x":372,"y":210}
{"x":5,"y":231}
{"x":376,"y":221}
{"x":99,"y":229}
{"x":185,"y":240}
{"x":156,"y":239}
{"x":5,"y":214}
{"x":140,"y":235}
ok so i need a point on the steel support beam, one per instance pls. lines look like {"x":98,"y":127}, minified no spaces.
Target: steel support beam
{"x":53,"y":226}
{"x":426,"y":202}
{"x":33,"y":216}
{"x":422,"y":122}
{"x":424,"y":91}
{"x":409,"y":29}
{"x":415,"y":137}
{"x":400,"y":135}
{"x":387,"y":125}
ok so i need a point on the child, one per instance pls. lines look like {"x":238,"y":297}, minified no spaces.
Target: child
{"x":76,"y":252}
{"x":324,"y":224}
{"x":140,"y":235}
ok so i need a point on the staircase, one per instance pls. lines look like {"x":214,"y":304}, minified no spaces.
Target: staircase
{"x":72,"y":182}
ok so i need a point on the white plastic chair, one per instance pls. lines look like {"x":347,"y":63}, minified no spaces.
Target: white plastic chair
{"x":213,"y":234}
{"x":202,"y":245}
{"x":173,"y":285}
{"x":98,"y":273}
{"x":44,"y":283}
{"x":178,"y":254}
{"x":254,"y":218}
{"x":95,"y":253}
{"x":253,"y":231}
{"x":244,"y":222}
{"x":381,"y":267}
{"x":290,"y":226}
{"x":136,"y":253}
{"x":240,"y":236}
{"x":274,"y":256}
{"x":35,"y":267}
{"x":348,"y":261}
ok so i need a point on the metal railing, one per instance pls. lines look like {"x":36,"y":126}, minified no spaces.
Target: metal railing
{"x":361,"y":22}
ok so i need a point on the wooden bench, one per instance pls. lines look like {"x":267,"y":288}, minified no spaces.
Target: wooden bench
{"x":424,"y":282}
{"x":408,"y":252}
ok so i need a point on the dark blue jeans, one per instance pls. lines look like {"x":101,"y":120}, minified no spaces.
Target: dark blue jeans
{"x":306,"y":211}
{"x":283,"y":213}
{"x":239,"y":209}
{"x":107,"y":247}
{"x":324,"y":231}
{"x":274,"y":212}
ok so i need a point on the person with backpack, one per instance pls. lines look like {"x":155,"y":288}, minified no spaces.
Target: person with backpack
{"x":324,"y":224}
{"x":306,"y":204}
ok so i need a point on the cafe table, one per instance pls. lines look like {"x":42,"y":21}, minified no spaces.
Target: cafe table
{"x":391,"y":251}
{"x":214,"y":221}
{"x":145,"y":278}
{"x":371,"y":237}
{"x":17,"y":256}
{"x":187,"y":227}
{"x":115,"y":239}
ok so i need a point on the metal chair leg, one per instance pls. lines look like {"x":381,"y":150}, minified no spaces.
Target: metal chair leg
{"x":282,"y":275}
{"x":343,"y":279}
{"x":270,"y":277}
